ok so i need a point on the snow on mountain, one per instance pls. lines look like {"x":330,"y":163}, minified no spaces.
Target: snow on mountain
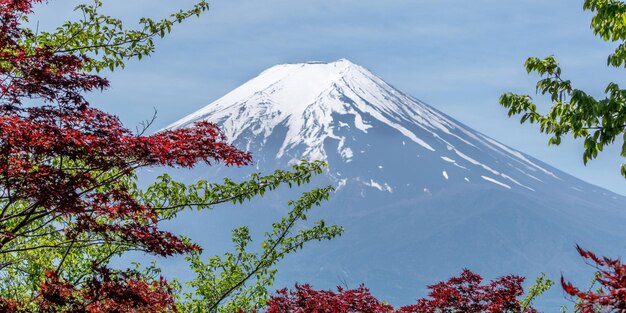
{"x":306,"y":99}
{"x":421,"y":195}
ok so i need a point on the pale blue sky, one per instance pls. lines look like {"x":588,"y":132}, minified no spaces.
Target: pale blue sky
{"x":455,"y":55}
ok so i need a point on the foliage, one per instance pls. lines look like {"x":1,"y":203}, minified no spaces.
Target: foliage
{"x":105,"y":39}
{"x":611,"y":296}
{"x":458,"y":294}
{"x":600,"y":122}
{"x":466,"y":294}
{"x":305,"y":299}
{"x":69,"y":201}
{"x":108,"y":291}
{"x":219,"y":285}
{"x":541,"y":285}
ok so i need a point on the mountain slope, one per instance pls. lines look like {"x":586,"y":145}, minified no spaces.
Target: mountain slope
{"x":420,"y":194}
{"x":319,"y":104}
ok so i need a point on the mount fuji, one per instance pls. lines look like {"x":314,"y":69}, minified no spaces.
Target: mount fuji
{"x":421,"y":195}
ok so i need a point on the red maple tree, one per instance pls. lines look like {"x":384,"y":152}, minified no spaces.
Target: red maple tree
{"x":458,"y":294}
{"x":108,"y":291}
{"x":611,"y":296}
{"x":60,"y":159}
{"x":305,"y":299}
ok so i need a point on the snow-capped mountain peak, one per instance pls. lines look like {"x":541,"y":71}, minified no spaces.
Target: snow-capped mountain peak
{"x":304,"y":97}
{"x":313,"y":109}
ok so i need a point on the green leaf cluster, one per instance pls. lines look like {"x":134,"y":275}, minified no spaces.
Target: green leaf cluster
{"x":105,"y":40}
{"x":171,"y":196}
{"x":223,"y":283}
{"x":220,"y":285}
{"x":598,"y":122}
{"x":541,"y":285}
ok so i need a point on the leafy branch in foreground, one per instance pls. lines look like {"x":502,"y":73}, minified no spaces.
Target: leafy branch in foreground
{"x":599,"y":122}
{"x":541,"y":285}
{"x":105,"y":40}
{"x":220,"y":285}
{"x":82,"y":261}
{"x":169,"y":196}
{"x":611,"y":276}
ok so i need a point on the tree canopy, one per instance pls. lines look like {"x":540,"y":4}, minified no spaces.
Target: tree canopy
{"x":69,"y":201}
{"x":599,"y":122}
{"x":464,"y":293}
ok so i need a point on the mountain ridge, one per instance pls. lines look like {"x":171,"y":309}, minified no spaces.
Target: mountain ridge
{"x":415,"y":211}
{"x":306,"y":99}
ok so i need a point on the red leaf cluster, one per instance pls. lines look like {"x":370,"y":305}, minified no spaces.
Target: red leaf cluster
{"x":466,"y":294}
{"x":61,"y":162}
{"x":107,"y":291}
{"x":305,"y":299}
{"x":30,"y":71}
{"x":56,"y":156}
{"x":458,"y":294}
{"x":8,"y":305}
{"x":611,"y":297}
